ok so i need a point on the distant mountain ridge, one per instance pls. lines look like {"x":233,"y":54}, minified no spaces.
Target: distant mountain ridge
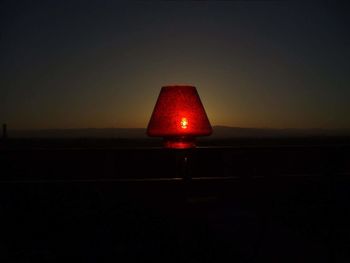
{"x":134,"y":133}
{"x":239,"y":132}
{"x":80,"y":133}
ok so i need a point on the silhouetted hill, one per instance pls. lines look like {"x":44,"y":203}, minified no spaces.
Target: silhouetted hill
{"x":134,"y":133}
{"x":81,"y":133}
{"x":238,"y":132}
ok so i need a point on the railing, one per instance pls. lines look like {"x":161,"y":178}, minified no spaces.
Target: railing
{"x":157,"y":163}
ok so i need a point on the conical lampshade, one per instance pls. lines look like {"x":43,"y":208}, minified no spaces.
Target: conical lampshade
{"x":179,"y":117}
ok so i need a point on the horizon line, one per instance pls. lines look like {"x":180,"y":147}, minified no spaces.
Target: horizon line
{"x":139,"y":128}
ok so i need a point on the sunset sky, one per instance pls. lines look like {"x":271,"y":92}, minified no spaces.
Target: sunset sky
{"x":79,"y":64}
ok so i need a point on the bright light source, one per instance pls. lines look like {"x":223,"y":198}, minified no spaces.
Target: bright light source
{"x":184,"y":123}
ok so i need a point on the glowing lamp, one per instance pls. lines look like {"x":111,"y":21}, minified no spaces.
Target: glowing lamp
{"x":179,"y":117}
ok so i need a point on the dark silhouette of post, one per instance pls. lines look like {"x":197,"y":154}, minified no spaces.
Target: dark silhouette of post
{"x":4,"y":131}
{"x":183,"y":167}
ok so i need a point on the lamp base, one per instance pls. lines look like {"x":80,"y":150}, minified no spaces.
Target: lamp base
{"x":179,"y":142}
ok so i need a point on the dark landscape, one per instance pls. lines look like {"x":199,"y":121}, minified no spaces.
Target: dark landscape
{"x":254,"y":200}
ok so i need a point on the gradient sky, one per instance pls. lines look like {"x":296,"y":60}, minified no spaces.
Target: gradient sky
{"x":78,"y":64}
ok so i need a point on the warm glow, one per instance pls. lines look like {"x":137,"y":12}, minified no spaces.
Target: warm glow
{"x":184,"y":123}
{"x":175,"y":106}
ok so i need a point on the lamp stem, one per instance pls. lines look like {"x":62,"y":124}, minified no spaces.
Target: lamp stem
{"x":186,"y":174}
{"x":183,"y":158}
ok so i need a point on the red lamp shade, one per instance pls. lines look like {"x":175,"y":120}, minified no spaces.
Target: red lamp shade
{"x":179,"y":117}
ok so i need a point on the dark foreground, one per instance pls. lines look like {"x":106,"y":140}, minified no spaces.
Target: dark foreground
{"x":244,"y":204}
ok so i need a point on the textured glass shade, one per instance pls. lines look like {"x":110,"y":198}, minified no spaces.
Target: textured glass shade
{"x":179,"y":117}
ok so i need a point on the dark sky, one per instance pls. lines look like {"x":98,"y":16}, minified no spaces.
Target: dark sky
{"x":77,"y":64}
